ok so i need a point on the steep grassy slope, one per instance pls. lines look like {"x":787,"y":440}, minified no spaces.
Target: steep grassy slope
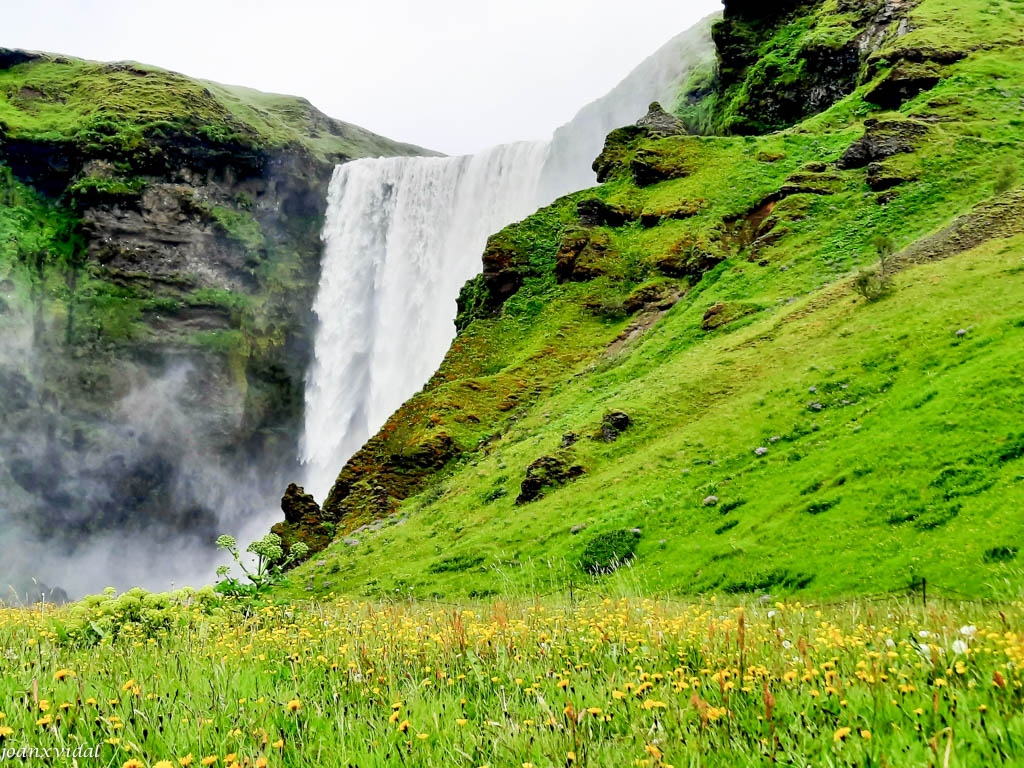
{"x":786,"y":434}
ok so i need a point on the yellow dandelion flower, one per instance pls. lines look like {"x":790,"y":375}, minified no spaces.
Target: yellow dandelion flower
{"x":5,"y":731}
{"x":209,"y":760}
{"x":42,"y":722}
{"x":261,"y":762}
{"x":63,"y":674}
{"x":403,"y":726}
{"x":133,"y":763}
{"x":128,"y":686}
{"x":570,"y":757}
{"x":44,"y":705}
{"x":279,"y":744}
{"x":841,"y":733}
{"x":294,"y":705}
{"x":422,"y":736}
{"x":461,"y":721}
{"x":865,"y":734}
{"x":164,"y":764}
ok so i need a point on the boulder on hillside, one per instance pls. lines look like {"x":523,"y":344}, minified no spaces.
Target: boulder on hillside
{"x":614,"y":424}
{"x":546,"y":472}
{"x":882,"y":139}
{"x":660,"y":123}
{"x":298,"y":505}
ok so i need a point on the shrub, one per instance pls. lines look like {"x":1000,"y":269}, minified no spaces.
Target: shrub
{"x":1000,"y":554}
{"x":606,"y":552}
{"x":1007,"y":179}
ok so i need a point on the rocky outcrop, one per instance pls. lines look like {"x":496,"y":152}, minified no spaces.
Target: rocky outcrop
{"x":545,"y":473}
{"x":583,"y":255}
{"x":768,"y":82}
{"x":883,"y":139}
{"x":613,"y":425}
{"x":658,"y":122}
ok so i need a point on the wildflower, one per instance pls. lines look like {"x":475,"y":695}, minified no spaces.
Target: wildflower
{"x":959,"y":647}
{"x":133,"y":763}
{"x":164,"y":764}
{"x":294,"y":705}
{"x":841,"y":733}
{"x":42,"y":722}
{"x":261,"y":762}
{"x":461,"y":721}
{"x":570,"y":757}
{"x":209,"y":760}
{"x":969,"y":631}
{"x":279,"y":744}
{"x":62,"y":674}
{"x":865,"y":734}
{"x":422,"y":736}
{"x":5,"y":731}
{"x":403,"y":726}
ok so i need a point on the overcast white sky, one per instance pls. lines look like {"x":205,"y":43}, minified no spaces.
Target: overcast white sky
{"x":452,"y":75}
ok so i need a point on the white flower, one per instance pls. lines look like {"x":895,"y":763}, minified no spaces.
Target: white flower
{"x":925,"y":650}
{"x":969,"y":631}
{"x":772,"y":614}
{"x":890,"y":643}
{"x":786,"y":644}
{"x":924,"y":633}
{"x":959,"y":647}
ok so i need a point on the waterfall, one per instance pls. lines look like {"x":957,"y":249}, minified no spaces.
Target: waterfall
{"x":402,"y":236}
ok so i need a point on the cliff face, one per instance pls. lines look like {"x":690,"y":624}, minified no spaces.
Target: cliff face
{"x":782,"y":63}
{"x":682,"y":358}
{"x":159,"y":255}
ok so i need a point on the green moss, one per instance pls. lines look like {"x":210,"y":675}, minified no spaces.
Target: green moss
{"x":123,"y":110}
{"x":240,"y":226}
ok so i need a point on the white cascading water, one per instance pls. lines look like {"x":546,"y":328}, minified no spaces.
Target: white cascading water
{"x":403,"y":235}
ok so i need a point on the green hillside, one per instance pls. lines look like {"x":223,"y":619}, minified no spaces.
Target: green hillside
{"x":785,"y":433}
{"x":126,"y":105}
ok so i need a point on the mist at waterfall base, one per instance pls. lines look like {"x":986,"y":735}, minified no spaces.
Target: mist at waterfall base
{"x":403,"y":235}
{"x":133,"y":496}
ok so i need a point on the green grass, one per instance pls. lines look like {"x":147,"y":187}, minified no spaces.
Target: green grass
{"x":120,"y":108}
{"x":652,"y":683}
{"x":885,"y":433}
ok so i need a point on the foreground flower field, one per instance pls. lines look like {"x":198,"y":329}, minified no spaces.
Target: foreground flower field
{"x":188,"y":680}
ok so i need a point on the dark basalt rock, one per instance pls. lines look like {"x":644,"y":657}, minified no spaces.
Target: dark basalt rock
{"x":882,"y":139}
{"x":614,"y":424}
{"x":613,"y":155}
{"x":298,"y":505}
{"x":500,"y":276}
{"x":580,"y":255}
{"x":882,"y":177}
{"x":546,"y":472}
{"x":658,"y":122}
{"x":597,"y":213}
{"x":906,"y":81}
{"x":687,"y":259}
{"x":650,"y":166}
